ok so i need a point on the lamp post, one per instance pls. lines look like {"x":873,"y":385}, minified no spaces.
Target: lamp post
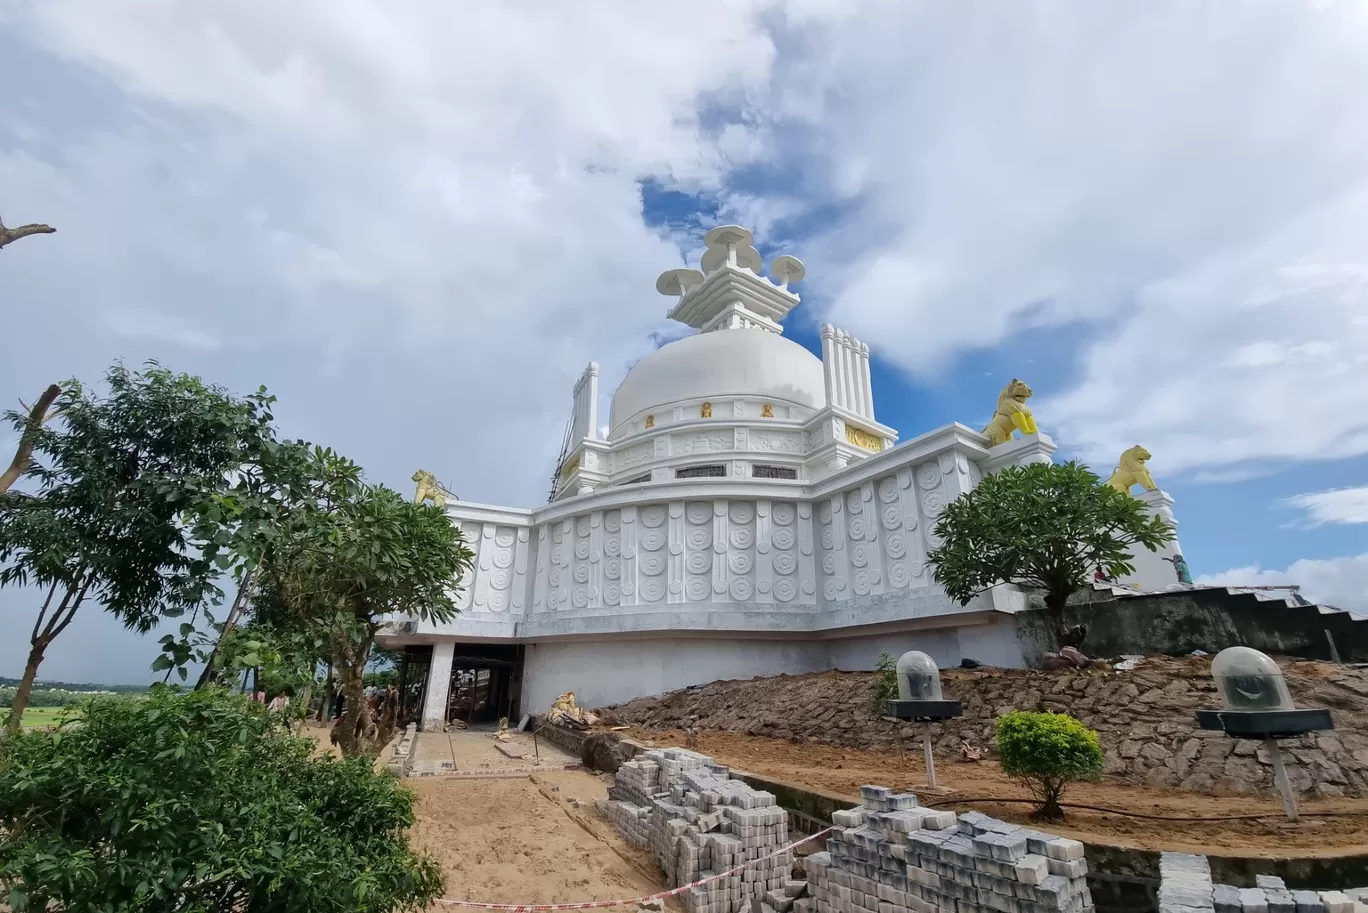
{"x":1257,"y":705}
{"x":920,"y":700}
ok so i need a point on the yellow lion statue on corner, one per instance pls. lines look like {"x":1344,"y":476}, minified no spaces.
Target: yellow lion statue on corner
{"x":1012,"y":414}
{"x":1132,"y":471}
{"x":429,"y":489}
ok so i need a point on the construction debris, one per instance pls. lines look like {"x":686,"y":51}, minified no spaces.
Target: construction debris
{"x":565,"y":712}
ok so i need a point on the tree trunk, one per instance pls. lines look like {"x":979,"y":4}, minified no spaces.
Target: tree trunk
{"x":10,"y":235}
{"x":1050,"y":791}
{"x":356,"y":732}
{"x":1055,"y":604}
{"x":24,"y":454}
{"x":303,"y":704}
{"x":43,"y":635}
{"x":325,"y":705}
{"x":21,"y":694}
{"x":208,"y":676}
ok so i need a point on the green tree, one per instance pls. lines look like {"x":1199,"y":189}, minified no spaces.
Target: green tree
{"x":884,"y":687}
{"x":1047,"y":751}
{"x":266,"y":498}
{"x":116,"y":479}
{"x":345,"y":561}
{"x":1046,"y":525}
{"x":198,"y":802}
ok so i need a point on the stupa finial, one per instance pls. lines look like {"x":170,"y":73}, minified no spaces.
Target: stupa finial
{"x":733,"y":245}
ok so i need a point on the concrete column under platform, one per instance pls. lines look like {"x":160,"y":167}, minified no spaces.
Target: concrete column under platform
{"x":438,"y":686}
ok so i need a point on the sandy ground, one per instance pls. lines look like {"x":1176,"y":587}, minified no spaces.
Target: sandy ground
{"x":533,"y":839}
{"x":842,"y":771}
{"x":473,"y":750}
{"x":525,"y":841}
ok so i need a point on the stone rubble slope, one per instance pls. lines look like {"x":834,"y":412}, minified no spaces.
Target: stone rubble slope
{"x":1145,"y":717}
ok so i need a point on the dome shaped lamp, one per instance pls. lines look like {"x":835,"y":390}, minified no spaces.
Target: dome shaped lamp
{"x":920,"y":700}
{"x":1256,"y":704}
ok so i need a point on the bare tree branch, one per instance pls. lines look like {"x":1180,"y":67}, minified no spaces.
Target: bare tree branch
{"x":22,"y":456}
{"x":8,"y":235}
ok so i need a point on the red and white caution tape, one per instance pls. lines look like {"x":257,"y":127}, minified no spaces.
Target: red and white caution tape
{"x":603,"y":904}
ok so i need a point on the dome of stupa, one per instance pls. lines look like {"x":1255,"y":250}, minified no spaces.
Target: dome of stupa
{"x":751,"y":363}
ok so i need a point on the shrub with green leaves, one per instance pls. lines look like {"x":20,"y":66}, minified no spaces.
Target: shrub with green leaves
{"x":199,"y":802}
{"x":1046,"y":751}
{"x":885,"y":685}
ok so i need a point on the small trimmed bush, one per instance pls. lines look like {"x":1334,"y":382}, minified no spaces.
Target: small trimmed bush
{"x":1047,"y":751}
{"x":885,"y":686}
{"x":198,"y":803}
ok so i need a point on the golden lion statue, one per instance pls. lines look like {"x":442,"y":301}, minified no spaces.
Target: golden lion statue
{"x":1012,"y":414}
{"x":429,"y":489}
{"x":1132,"y":471}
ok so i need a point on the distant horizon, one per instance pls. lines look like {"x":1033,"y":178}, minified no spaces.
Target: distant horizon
{"x":12,"y":681}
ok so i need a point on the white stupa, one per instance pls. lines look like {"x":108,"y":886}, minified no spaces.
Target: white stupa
{"x":746,"y":515}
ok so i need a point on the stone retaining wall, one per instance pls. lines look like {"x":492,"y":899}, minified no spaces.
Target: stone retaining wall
{"x":1145,"y":717}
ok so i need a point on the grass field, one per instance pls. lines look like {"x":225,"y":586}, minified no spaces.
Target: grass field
{"x":47,"y":716}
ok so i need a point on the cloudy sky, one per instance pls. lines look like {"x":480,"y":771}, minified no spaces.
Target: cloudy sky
{"x":416,"y":221}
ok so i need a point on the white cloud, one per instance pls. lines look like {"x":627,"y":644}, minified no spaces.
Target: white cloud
{"x":1337,"y":505}
{"x":407,"y":213}
{"x":1189,"y":178}
{"x":460,"y":186}
{"x":151,"y":325}
{"x":1340,"y":582}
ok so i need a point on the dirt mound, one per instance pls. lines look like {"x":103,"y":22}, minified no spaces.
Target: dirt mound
{"x":1145,"y":717}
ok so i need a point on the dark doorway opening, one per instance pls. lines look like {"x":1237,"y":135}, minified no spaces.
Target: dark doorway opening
{"x":414,"y":665}
{"x":486,"y":684}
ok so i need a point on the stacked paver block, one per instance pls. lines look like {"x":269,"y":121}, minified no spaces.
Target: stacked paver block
{"x":1185,"y":887}
{"x":1185,"y":884}
{"x":699,"y":822}
{"x":893,"y":856}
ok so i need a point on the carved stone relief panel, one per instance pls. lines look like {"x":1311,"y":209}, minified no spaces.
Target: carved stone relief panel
{"x":807,"y":559}
{"x":611,"y":567}
{"x":634,"y":456}
{"x":496,"y":563}
{"x":676,"y":534}
{"x":915,"y":530}
{"x":560,"y":580}
{"x":764,"y":551}
{"x":484,"y":565}
{"x":868,"y":577}
{"x":541,"y":548}
{"x":721,"y":551}
{"x":713,"y":442}
{"x":629,"y":555}
{"x":739,"y":521}
{"x":652,"y":553}
{"x":837,"y":585}
{"x":465,"y":595}
{"x":775,"y":441}
{"x":698,"y":551}
{"x":521,"y":556}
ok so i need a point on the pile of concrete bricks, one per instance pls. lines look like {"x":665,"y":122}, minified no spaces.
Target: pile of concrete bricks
{"x":1185,"y":887}
{"x":699,"y":823}
{"x":893,"y":856}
